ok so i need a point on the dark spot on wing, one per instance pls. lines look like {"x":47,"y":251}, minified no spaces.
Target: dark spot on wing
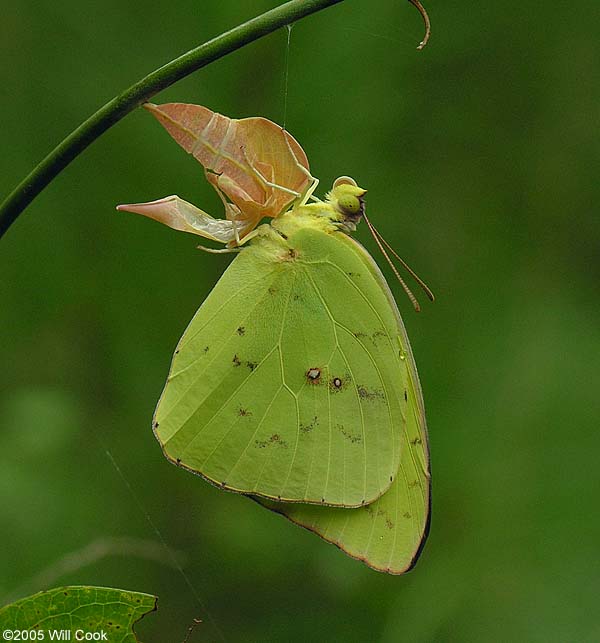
{"x":335,"y":384}
{"x":370,"y":395}
{"x":406,"y":514}
{"x":272,"y":290}
{"x":273,"y":440}
{"x":244,"y":412}
{"x":359,"y":334}
{"x":236,"y":361}
{"x":355,"y":439}
{"x":353,"y":274}
{"x":241,"y":330}
{"x":251,"y":365}
{"x":292,"y":253}
{"x":388,"y":523}
{"x":405,"y":396}
{"x":178,"y":460}
{"x":416,"y":441}
{"x":206,"y":349}
{"x":156,"y":425}
{"x":377,"y":335}
{"x":307,"y":428}
{"x":177,"y":352}
{"x":313,"y":375}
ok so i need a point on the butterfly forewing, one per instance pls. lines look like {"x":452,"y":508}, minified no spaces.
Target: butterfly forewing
{"x":285,"y":382}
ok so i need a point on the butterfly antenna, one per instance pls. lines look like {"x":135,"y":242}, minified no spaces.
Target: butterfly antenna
{"x":407,"y":290}
{"x":408,"y":269}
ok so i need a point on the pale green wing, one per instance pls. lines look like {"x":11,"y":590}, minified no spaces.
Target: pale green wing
{"x":387,"y":535}
{"x":287,"y":382}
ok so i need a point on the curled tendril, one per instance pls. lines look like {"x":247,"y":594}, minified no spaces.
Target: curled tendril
{"x":425,"y":17}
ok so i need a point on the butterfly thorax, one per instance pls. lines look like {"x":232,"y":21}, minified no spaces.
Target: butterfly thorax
{"x":341,"y":210}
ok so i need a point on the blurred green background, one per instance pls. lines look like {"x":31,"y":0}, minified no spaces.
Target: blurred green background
{"x":480,"y":154}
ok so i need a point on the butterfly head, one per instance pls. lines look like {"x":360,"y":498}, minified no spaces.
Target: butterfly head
{"x":348,"y":201}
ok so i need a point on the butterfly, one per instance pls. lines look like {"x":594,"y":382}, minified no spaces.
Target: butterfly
{"x":295,"y":383}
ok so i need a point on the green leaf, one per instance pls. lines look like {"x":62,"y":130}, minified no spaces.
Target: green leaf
{"x":87,"y":609}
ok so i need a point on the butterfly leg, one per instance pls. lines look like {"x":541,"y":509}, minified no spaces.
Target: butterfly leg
{"x":236,"y":232}
{"x":236,"y":239}
{"x":302,"y":199}
{"x":230,"y":209}
{"x":309,"y":194}
{"x":237,"y":248}
{"x":218,"y":251}
{"x":226,"y":203}
{"x":312,"y":187}
{"x":264,"y":182}
{"x":249,"y":236}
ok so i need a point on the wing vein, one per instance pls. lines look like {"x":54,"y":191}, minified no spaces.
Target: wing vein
{"x":334,"y":323}
{"x":236,"y":294}
{"x":216,"y":413}
{"x":208,"y":364}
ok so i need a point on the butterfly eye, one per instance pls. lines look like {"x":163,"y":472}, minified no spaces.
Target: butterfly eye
{"x":349,"y":203}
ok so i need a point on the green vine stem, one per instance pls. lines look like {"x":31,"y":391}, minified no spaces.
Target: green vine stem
{"x":77,"y":141}
{"x":142,"y":91}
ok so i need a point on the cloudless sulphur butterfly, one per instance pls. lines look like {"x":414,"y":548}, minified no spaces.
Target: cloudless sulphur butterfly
{"x":294,"y":383}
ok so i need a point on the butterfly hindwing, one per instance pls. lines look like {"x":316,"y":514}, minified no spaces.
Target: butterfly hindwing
{"x":389,"y":533}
